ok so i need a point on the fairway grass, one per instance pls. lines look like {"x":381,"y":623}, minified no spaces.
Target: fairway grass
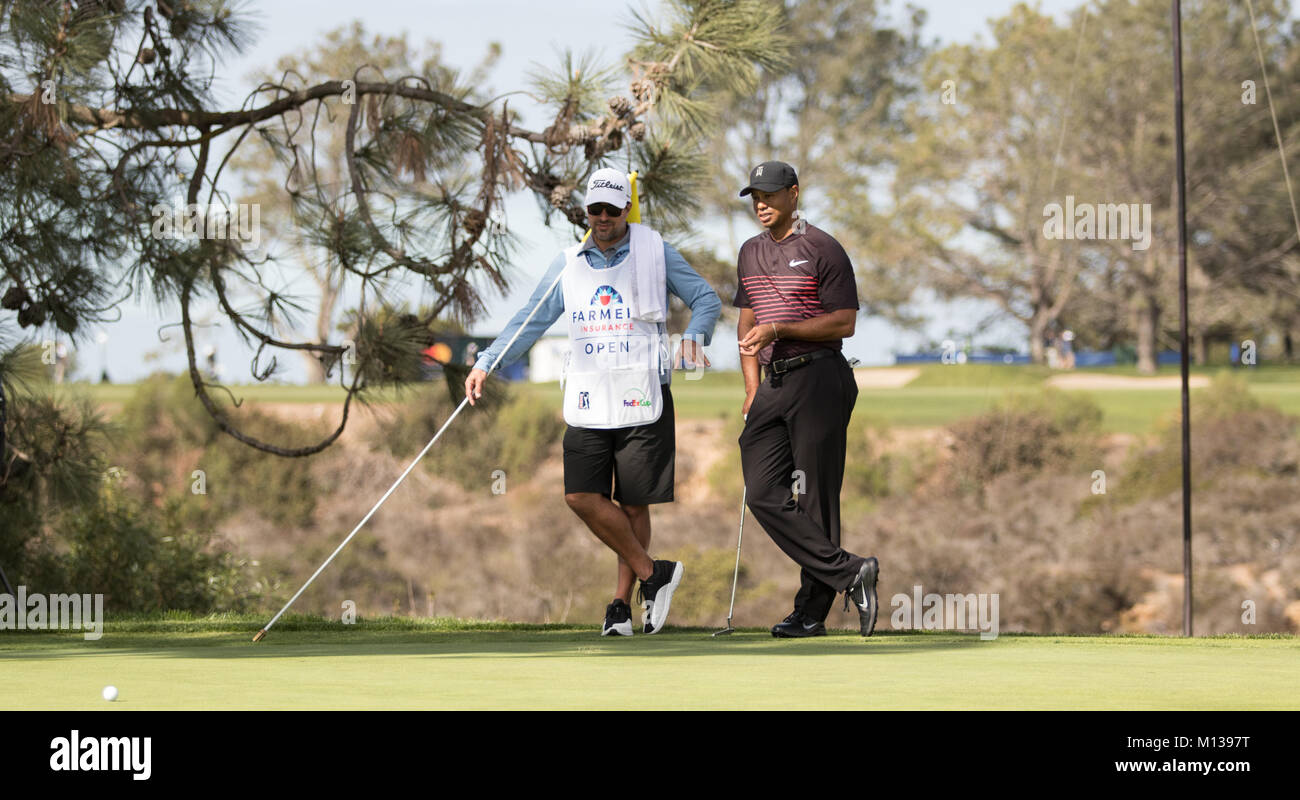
{"x":447,"y":664}
{"x":940,"y":395}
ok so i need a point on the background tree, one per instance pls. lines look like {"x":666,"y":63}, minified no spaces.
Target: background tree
{"x":972,"y":179}
{"x":106,"y":117}
{"x":341,"y":52}
{"x":1046,"y":111}
{"x":833,"y":112}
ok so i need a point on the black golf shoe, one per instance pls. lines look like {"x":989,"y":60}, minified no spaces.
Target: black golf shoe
{"x":646,"y":627}
{"x":863,"y":595}
{"x":658,"y":590}
{"x":618,"y":619}
{"x":797,"y":626}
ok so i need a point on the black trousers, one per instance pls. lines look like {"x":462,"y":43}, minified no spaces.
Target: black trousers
{"x":800,"y":422}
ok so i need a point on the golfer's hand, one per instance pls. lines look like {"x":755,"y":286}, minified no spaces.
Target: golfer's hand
{"x":759,"y":336}
{"x":474,"y":384}
{"x":690,"y":352}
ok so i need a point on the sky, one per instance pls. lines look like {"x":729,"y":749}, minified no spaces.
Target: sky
{"x":530,"y":33}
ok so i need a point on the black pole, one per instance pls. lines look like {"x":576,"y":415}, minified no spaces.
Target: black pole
{"x":3,"y":453}
{"x":1182,"y":315}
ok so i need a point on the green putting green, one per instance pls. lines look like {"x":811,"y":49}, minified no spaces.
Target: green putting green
{"x":446,"y":664}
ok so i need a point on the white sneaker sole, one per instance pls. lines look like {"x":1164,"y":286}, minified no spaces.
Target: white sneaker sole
{"x":620,"y":628}
{"x":664,"y":597}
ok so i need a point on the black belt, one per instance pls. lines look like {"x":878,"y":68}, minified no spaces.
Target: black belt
{"x":778,"y":368}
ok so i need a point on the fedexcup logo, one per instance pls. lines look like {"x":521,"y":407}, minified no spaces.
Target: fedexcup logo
{"x":606,"y":295}
{"x":77,"y":753}
{"x":635,"y":398}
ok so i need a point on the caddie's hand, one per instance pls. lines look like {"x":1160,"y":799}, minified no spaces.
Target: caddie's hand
{"x":759,"y":336}
{"x":690,"y":352}
{"x":474,"y":384}
{"x":749,"y":400}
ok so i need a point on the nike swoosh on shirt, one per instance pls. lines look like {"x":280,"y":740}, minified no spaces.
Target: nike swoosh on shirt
{"x":797,"y":263}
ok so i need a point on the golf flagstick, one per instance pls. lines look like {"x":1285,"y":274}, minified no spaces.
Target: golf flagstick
{"x":392,"y":488}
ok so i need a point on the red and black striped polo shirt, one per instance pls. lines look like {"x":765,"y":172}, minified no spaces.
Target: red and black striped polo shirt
{"x":806,"y":274}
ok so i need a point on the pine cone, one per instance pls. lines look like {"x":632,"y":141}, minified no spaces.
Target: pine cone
{"x":560,"y":195}
{"x":146,"y":56}
{"x":66,"y":322}
{"x":15,"y":298}
{"x":31,"y":316}
{"x":643,"y":90}
{"x":637,"y":131}
{"x":620,"y":105}
{"x":475,"y":222}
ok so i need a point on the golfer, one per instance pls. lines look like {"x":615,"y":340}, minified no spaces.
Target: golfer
{"x":620,"y":443}
{"x":798,"y":301}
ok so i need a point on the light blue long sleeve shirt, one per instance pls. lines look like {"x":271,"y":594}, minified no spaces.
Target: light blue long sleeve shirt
{"x":682,"y":280}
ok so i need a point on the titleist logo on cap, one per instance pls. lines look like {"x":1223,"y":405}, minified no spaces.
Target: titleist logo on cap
{"x":601,"y":183}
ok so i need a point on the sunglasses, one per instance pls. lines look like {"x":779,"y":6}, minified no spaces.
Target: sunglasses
{"x":597,"y":209}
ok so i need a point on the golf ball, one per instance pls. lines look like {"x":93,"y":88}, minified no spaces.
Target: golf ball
{"x":110,"y":693}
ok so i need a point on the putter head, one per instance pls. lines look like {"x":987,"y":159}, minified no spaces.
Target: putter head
{"x":725,"y":631}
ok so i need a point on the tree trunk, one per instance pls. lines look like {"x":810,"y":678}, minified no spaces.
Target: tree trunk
{"x":1148,"y":323}
{"x":1037,"y":325}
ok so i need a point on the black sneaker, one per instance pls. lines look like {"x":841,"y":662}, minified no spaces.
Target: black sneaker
{"x":618,"y":619}
{"x":798,"y":626}
{"x":646,"y":627}
{"x":863,"y":595}
{"x":658,"y":589}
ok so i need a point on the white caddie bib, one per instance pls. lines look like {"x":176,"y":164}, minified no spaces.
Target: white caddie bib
{"x":612,"y":378}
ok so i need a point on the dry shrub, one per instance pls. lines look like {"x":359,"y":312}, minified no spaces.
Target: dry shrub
{"x":1024,"y":432}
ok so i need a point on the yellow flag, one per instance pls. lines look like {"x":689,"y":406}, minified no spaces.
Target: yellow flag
{"x":635,"y":214}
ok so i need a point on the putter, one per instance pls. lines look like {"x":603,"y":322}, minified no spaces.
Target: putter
{"x":736,"y":574}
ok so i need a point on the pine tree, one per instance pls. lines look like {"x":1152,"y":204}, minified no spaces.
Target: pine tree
{"x":107,"y":117}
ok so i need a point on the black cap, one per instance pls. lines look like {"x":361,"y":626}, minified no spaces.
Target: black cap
{"x":770,"y":176}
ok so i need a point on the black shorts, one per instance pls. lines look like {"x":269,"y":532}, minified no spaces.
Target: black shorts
{"x":636,"y":462}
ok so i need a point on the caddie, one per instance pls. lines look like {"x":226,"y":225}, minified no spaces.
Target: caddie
{"x":620,"y":442}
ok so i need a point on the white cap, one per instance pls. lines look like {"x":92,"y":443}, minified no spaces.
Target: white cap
{"x":608,"y":185}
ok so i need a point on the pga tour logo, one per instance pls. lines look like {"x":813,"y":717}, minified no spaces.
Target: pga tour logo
{"x":584,"y":401}
{"x":77,"y":753}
